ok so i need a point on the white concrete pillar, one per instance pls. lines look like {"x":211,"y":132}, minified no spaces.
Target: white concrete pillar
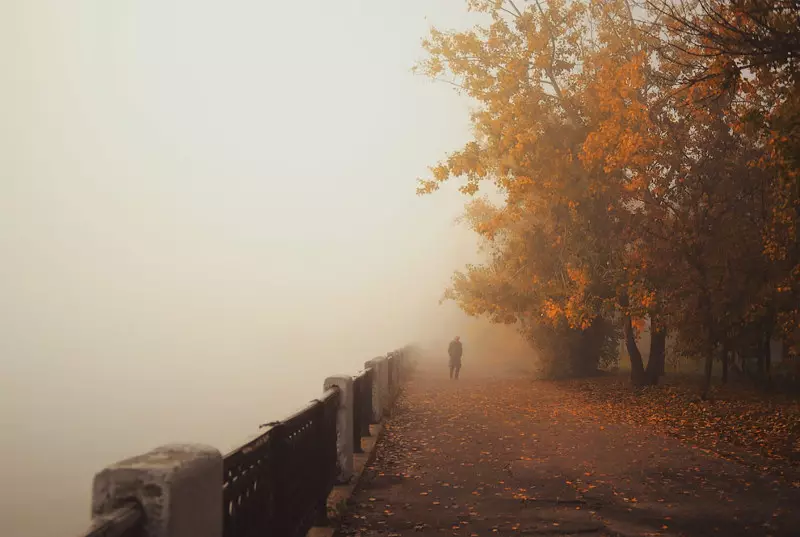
{"x":401,"y":367}
{"x":179,"y":487}
{"x":391,"y":364}
{"x":377,"y":410}
{"x":409,"y":359}
{"x":381,"y":384}
{"x":344,"y":424}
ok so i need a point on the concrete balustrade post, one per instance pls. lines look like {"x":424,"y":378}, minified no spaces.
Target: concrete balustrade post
{"x":377,"y":411}
{"x":401,"y":367}
{"x":380,"y":384}
{"x":397,"y":357}
{"x":389,"y":384}
{"x":179,"y":487}
{"x":344,"y":425}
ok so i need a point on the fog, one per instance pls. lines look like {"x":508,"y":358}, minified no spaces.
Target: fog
{"x":206,"y":208}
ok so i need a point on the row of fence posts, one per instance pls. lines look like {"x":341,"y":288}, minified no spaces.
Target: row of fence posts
{"x":274,"y":485}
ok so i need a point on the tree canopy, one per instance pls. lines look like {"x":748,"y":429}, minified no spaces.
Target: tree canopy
{"x":647,"y":155}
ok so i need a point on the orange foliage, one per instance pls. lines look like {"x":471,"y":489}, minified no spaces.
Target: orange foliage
{"x":627,"y":191}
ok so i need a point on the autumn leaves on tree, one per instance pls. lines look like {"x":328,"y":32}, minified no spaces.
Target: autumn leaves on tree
{"x":648,"y":158}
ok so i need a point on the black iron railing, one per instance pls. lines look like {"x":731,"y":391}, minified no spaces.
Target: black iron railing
{"x":277,"y":484}
{"x":126,"y":521}
{"x":249,"y":488}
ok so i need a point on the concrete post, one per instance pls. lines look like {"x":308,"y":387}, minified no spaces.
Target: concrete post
{"x":344,"y":425}
{"x":401,"y":369}
{"x":179,"y":486}
{"x":397,"y":372}
{"x":377,"y":411}
{"x":380,"y":384}
{"x":390,"y":374}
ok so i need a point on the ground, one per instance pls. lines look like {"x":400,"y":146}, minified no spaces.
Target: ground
{"x":510,"y":456}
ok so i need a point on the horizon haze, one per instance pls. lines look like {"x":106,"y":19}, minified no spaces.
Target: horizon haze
{"x":204,"y":211}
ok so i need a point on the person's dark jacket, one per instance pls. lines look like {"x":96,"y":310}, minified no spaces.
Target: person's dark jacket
{"x":454,"y":350}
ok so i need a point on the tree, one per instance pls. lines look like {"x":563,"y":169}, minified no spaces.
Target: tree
{"x":638,"y":183}
{"x":748,"y":52}
{"x":558,"y":242}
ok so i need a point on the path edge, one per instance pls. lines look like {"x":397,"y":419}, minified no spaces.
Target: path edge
{"x":339,"y":500}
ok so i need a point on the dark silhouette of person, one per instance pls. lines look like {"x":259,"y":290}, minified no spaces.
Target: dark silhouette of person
{"x":455,"y":349}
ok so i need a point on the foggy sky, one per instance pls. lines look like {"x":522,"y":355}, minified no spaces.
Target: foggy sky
{"x":198,"y":198}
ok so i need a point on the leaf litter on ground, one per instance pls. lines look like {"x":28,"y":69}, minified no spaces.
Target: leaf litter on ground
{"x":737,"y":423}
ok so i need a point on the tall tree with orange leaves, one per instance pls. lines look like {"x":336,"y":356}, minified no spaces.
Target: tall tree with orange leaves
{"x":627,"y":195}
{"x":560,"y":243}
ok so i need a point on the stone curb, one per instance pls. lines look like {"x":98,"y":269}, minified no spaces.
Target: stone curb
{"x":339,"y":498}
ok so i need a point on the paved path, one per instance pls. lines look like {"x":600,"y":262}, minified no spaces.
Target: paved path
{"x":489,"y":457}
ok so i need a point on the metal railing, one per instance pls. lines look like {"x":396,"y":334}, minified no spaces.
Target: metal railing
{"x":278,"y":483}
{"x":125,"y":521}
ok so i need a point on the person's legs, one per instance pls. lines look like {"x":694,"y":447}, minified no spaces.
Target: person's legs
{"x":458,"y":369}
{"x":451,"y":371}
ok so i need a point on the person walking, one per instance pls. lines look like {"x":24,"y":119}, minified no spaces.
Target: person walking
{"x":455,"y":349}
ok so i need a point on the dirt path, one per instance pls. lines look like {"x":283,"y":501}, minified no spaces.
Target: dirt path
{"x":491,"y":457}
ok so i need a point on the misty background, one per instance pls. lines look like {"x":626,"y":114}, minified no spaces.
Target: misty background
{"x":205,"y":209}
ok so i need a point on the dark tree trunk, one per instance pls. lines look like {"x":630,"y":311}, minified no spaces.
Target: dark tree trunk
{"x":768,"y":358}
{"x":637,"y":365}
{"x":725,"y":353}
{"x":709,"y":333}
{"x":790,"y":363}
{"x":709,"y":366}
{"x":586,"y":357}
{"x":658,"y":343}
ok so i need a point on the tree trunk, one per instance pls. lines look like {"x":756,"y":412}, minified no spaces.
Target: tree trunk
{"x":637,"y":365}
{"x":587,"y":355}
{"x":788,"y":362}
{"x":658,"y":342}
{"x":725,"y":353}
{"x":708,"y":370}
{"x":708,"y":331}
